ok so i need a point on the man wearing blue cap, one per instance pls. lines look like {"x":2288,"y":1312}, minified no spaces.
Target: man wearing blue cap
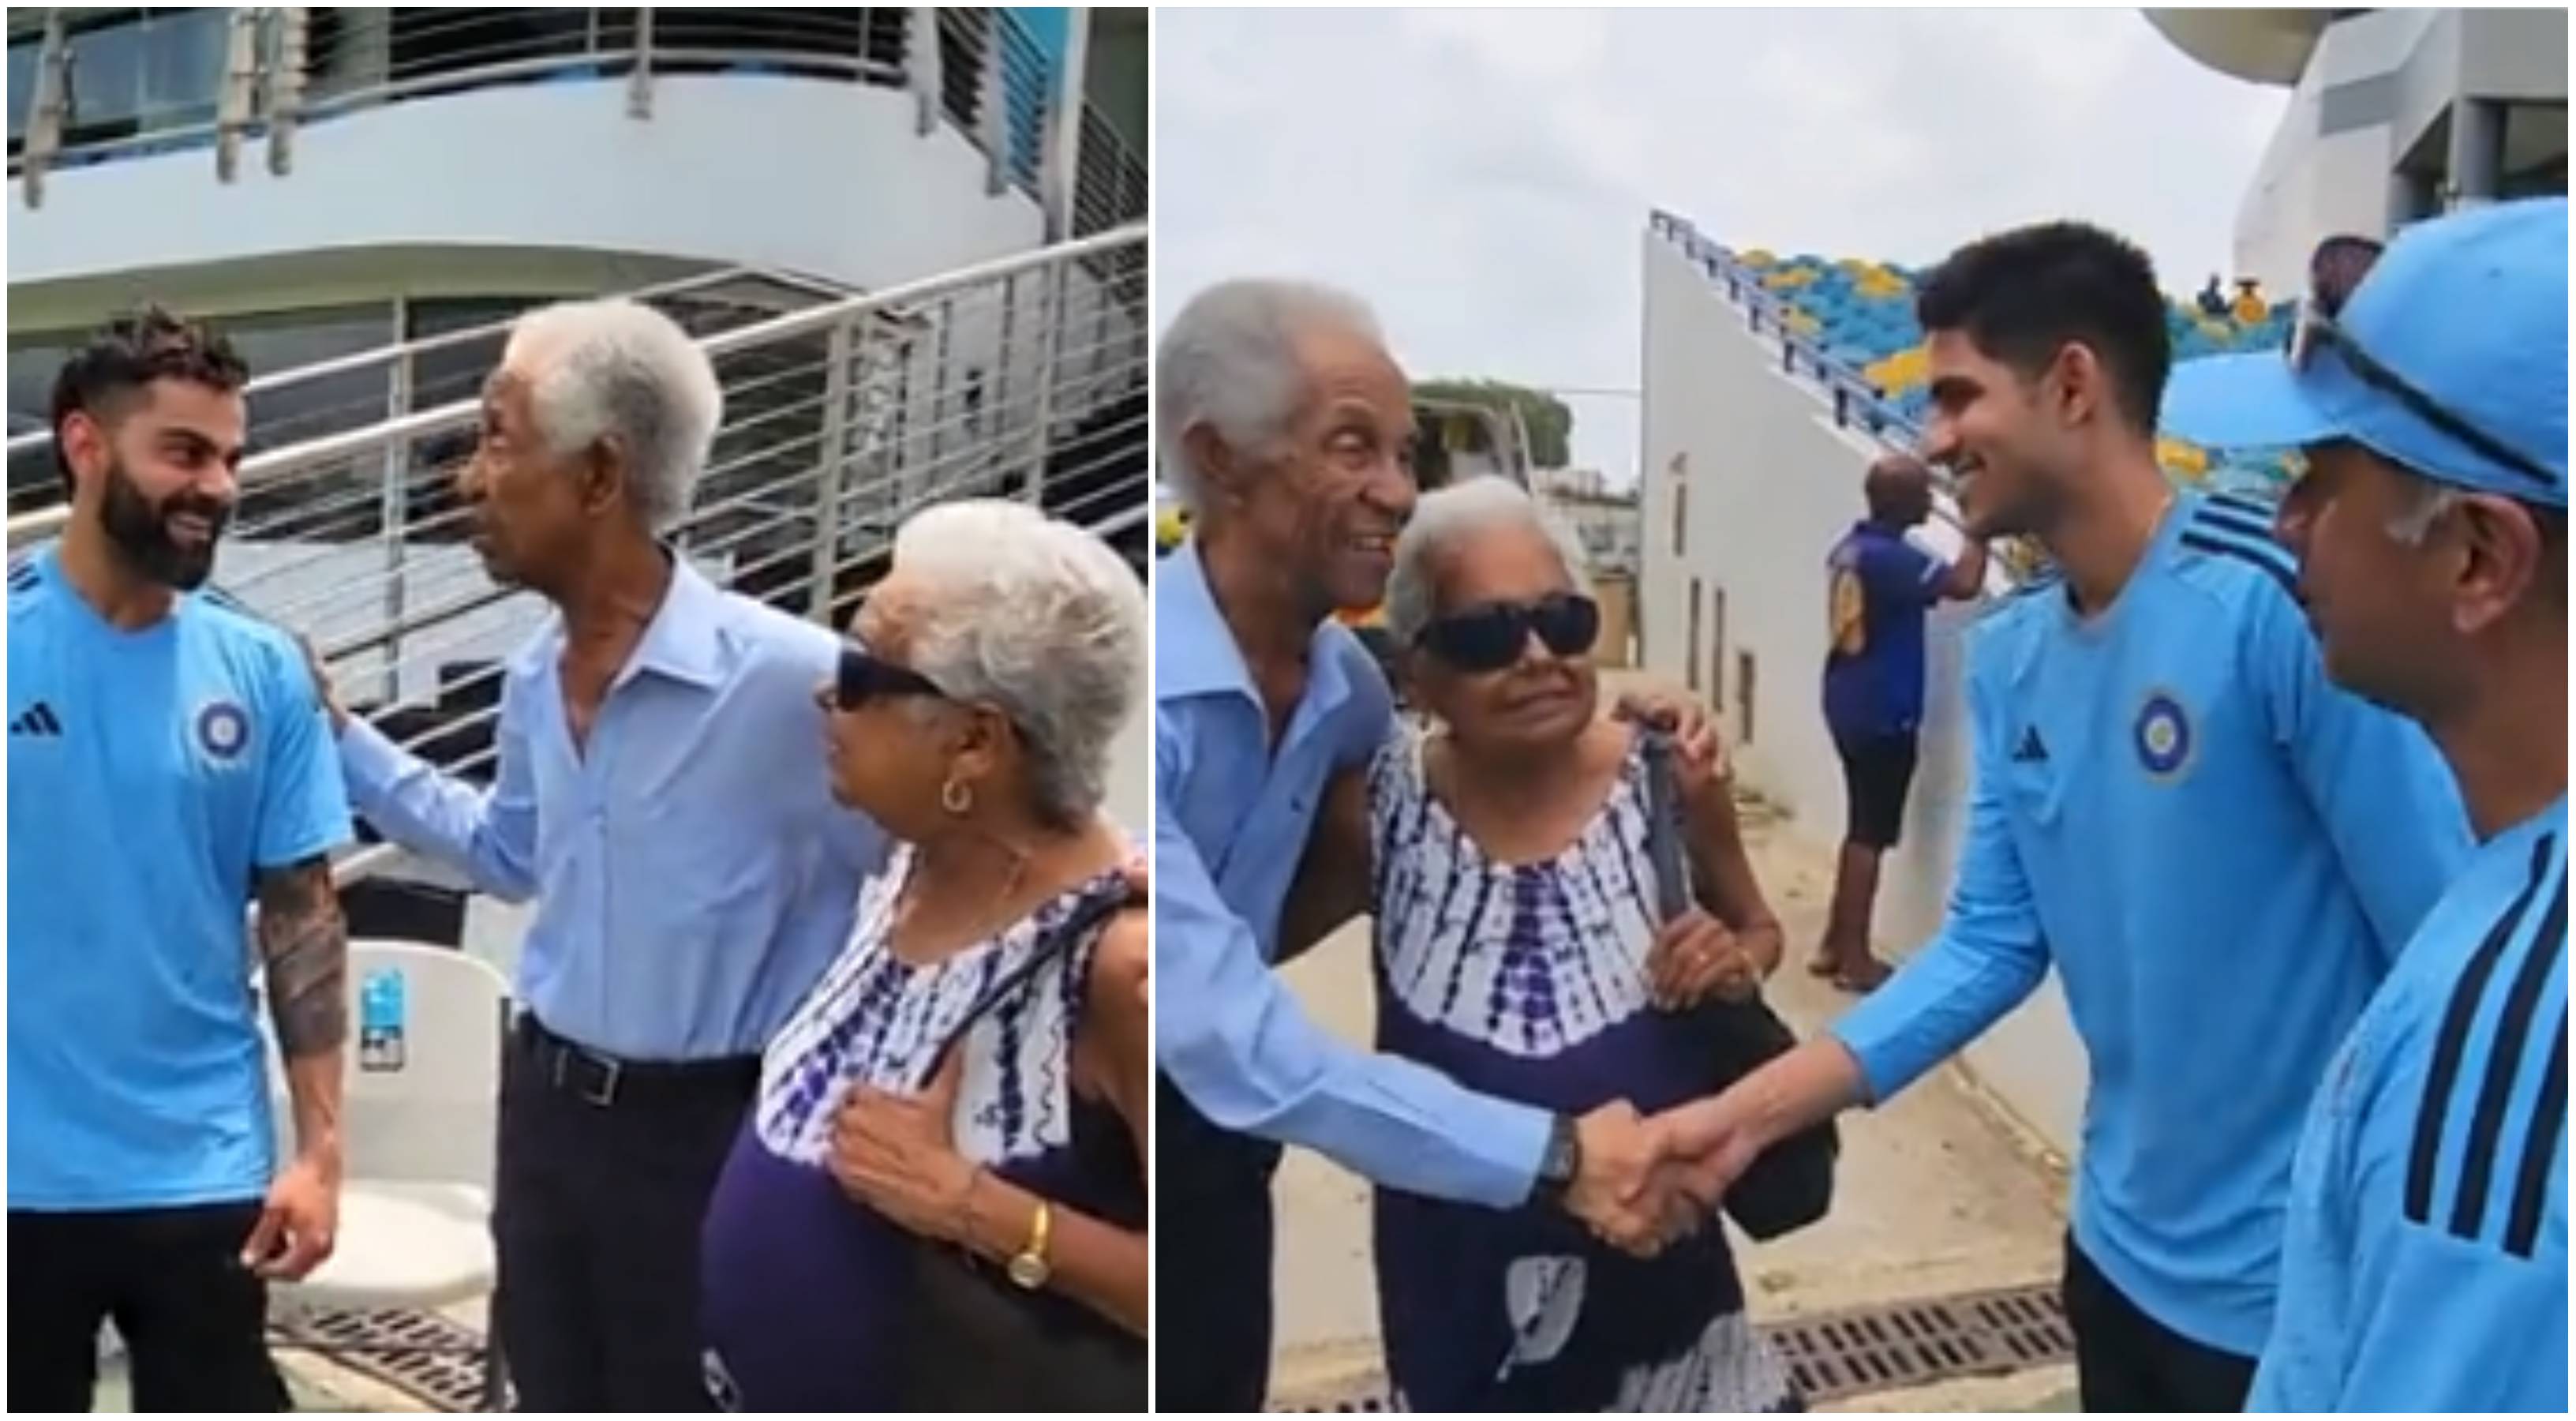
{"x":2426,"y":1262}
{"x":2218,"y":852}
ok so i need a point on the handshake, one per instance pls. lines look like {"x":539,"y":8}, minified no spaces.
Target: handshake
{"x":1641,"y":1182}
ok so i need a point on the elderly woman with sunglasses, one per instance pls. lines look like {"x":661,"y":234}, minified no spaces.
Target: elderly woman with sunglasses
{"x":972,"y":1074}
{"x":1519,"y":951}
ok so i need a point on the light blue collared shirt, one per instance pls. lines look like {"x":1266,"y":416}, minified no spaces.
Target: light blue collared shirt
{"x":1231,"y":819}
{"x":693,"y":874}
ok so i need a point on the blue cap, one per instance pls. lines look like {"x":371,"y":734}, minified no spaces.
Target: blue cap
{"x":2471,"y":310}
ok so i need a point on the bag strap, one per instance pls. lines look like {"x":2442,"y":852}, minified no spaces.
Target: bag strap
{"x":1664,"y":836}
{"x":1092,"y":913}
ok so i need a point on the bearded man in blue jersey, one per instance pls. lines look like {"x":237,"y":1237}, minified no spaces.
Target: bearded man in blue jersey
{"x":2218,"y":851}
{"x":167,"y":757}
{"x":2426,"y":1261}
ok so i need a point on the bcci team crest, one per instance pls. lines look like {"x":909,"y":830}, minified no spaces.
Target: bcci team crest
{"x":2163,"y":735}
{"x":223,"y":729}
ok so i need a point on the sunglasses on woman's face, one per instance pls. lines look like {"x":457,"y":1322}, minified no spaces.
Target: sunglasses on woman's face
{"x":1492,"y":637}
{"x":864,"y":677}
{"x":2317,"y":331}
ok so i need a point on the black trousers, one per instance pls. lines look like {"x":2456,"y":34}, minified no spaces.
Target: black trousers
{"x":1212,"y":1257}
{"x":604,"y":1175}
{"x":193,"y":1318}
{"x":2128,"y":1361}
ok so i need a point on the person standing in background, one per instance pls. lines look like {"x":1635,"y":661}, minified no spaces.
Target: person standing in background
{"x":2425,"y":1264}
{"x":1879,"y":586}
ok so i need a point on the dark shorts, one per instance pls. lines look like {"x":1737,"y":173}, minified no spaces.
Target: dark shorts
{"x":1877,"y":772}
{"x":2128,"y":1361}
{"x":192,"y":1317}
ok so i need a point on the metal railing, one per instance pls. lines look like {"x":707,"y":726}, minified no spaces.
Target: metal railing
{"x":1857,"y":403}
{"x":976,"y":70}
{"x":267,"y":432}
{"x":1022,"y":377}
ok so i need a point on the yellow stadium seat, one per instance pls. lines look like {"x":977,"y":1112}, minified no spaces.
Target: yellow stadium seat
{"x":2181,"y":456}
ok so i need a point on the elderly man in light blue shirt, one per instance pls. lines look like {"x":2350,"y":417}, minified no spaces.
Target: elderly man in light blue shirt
{"x":660,"y":793}
{"x":1291,"y":431}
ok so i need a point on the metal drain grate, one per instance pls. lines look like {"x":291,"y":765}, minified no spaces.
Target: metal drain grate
{"x":1832,"y":1355}
{"x":1910,"y":1344}
{"x":433,"y":1358}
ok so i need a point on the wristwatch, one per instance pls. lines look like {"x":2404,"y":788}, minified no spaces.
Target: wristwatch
{"x":1028,"y":1267}
{"x":1561,"y":1162}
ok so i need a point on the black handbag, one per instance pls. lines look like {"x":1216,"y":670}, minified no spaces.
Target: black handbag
{"x":1791,"y":1184}
{"x":974,"y":1340}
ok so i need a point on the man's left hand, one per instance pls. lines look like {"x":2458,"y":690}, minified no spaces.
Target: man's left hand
{"x":894,"y":1153}
{"x":300,"y":1222}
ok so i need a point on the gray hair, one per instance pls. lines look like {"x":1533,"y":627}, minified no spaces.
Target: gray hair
{"x":1229,"y":361}
{"x":1444,"y":517}
{"x":1038,"y":617}
{"x":2427,"y":502}
{"x":619,"y":367}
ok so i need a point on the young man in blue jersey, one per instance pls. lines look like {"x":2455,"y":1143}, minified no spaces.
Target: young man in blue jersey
{"x":2426,"y":1262}
{"x":1879,"y":588}
{"x":2218,"y":851}
{"x":167,"y":759}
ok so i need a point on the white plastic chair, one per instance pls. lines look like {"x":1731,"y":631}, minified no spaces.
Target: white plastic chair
{"x":419,"y":1124}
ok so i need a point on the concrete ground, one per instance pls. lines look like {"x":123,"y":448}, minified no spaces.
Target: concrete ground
{"x":1937,"y":1192}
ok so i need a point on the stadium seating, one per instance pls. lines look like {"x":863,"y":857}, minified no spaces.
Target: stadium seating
{"x":1857,"y":317}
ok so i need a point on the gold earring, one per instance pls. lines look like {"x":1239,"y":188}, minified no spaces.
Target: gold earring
{"x":955,"y":797}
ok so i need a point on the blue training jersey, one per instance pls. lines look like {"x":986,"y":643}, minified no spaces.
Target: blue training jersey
{"x":152,"y":774}
{"x":2220,"y":853}
{"x":2426,"y":1265}
{"x":1878,"y":589}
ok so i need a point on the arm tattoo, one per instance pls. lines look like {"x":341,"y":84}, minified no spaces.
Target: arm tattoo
{"x":305,"y":943}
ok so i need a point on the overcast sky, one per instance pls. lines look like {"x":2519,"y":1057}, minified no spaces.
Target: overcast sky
{"x":1483,"y":177}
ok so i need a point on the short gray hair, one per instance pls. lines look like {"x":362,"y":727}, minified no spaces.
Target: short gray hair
{"x":1229,"y":361}
{"x":1038,"y":617}
{"x":1440,"y":520}
{"x":616,"y":366}
{"x":2427,"y":500}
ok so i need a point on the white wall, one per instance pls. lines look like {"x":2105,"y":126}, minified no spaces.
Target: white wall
{"x":2413,"y":63}
{"x":828,"y":179}
{"x":1772,"y":483}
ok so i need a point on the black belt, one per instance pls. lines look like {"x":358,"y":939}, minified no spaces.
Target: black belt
{"x":603,"y":1080}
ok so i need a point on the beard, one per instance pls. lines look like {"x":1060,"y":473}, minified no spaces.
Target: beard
{"x":141,"y":531}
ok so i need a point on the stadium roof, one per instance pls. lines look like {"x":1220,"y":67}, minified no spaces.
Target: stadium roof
{"x":2264,"y":46}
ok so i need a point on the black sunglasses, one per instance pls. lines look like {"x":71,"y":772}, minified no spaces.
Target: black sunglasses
{"x":2317,"y":331}
{"x":863,"y":677}
{"x":1491,"y":637}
